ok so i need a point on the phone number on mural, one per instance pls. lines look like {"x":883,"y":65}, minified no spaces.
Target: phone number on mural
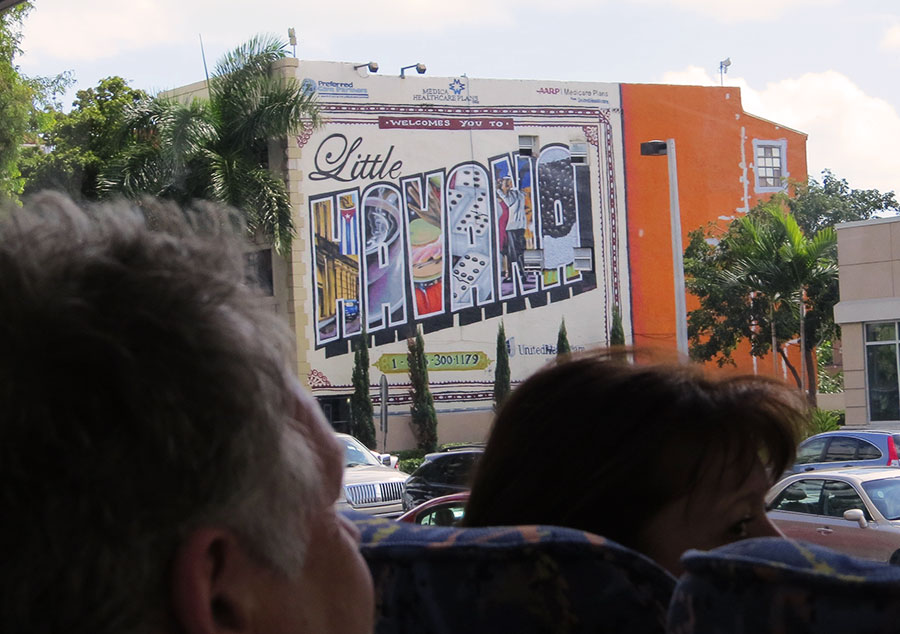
{"x":436,"y":361}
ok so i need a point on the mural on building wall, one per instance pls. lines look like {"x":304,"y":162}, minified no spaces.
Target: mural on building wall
{"x":466,"y":237}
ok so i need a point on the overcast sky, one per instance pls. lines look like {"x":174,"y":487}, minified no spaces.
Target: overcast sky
{"x":825,"y":67}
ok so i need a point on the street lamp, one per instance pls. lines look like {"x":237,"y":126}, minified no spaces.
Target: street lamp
{"x":667,"y":148}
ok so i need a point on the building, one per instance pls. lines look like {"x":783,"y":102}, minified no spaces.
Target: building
{"x":868,"y":314}
{"x":452,"y":203}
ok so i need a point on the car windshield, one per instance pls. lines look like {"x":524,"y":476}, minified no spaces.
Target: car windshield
{"x":885,"y":495}
{"x":356,"y":454}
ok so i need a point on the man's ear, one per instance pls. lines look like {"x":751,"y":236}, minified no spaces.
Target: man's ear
{"x":213,"y":583}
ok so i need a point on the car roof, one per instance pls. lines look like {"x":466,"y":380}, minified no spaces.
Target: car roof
{"x":859,"y":474}
{"x":455,"y":451}
{"x":854,"y":432}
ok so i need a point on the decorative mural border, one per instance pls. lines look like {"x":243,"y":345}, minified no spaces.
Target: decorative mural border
{"x":597,"y":118}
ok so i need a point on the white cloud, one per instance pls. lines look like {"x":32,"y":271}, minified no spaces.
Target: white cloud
{"x":730,"y":11}
{"x":849,"y":131}
{"x":93,"y":29}
{"x":891,"y":38}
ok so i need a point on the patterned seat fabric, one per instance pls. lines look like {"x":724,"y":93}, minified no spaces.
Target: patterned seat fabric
{"x":525,"y":579}
{"x":779,"y":585}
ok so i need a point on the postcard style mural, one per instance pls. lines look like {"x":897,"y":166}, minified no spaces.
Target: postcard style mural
{"x":458,"y":238}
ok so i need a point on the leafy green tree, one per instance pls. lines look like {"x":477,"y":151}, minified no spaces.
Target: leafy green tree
{"x":361,"y":415}
{"x":82,"y":142}
{"x":617,"y":331}
{"x":424,"y":418}
{"x":217,"y":148}
{"x":818,"y":205}
{"x":501,"y":369}
{"x":759,"y":280}
{"x":16,"y":95}
{"x":563,"y":349}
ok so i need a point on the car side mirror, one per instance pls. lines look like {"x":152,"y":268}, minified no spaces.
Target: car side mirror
{"x":386,"y":459}
{"x":856,"y":515}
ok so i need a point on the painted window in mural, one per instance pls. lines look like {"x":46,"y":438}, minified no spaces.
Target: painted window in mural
{"x":441,"y":242}
{"x":425,"y":213}
{"x":385,"y":295}
{"x":336,"y":252}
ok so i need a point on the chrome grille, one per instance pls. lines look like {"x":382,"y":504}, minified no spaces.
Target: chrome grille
{"x":363,"y":494}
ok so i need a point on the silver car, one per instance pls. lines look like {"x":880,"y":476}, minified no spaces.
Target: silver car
{"x":369,"y":486}
{"x":855,"y":510}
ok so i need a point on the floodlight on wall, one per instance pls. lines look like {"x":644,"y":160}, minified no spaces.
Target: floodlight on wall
{"x":420,"y":68}
{"x":371,"y":66}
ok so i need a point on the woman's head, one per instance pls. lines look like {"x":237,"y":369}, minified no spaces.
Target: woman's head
{"x":615,"y":448}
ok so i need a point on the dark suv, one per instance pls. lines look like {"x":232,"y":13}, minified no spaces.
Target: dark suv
{"x":443,"y":472}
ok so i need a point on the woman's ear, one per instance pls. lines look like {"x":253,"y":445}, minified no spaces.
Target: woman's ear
{"x":213,"y":582}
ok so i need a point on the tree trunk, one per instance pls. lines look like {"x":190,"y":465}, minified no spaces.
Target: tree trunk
{"x":790,"y":366}
{"x":804,"y":384}
{"x":811,"y":372}
{"x":774,"y":340}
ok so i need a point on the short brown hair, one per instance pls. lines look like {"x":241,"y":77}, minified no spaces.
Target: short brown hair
{"x":577,"y":440}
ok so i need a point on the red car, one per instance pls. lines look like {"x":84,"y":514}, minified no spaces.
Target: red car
{"x":446,"y":510}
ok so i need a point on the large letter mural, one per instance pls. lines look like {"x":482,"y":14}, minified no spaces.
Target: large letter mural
{"x":425,"y":213}
{"x":469,"y":219}
{"x":440,"y":244}
{"x":384,"y":226}
{"x":336,"y":256}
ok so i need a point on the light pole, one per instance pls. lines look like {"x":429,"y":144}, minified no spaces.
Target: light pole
{"x":667,"y":148}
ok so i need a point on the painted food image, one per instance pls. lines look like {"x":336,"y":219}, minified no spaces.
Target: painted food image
{"x":427,"y":251}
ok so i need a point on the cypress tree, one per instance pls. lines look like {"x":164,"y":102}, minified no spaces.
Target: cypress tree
{"x":424,"y":418}
{"x":616,"y":331}
{"x":361,"y":424}
{"x":501,"y":370}
{"x":562,"y":342}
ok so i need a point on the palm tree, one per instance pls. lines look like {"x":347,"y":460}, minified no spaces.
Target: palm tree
{"x":773,"y":258}
{"x":217,"y":148}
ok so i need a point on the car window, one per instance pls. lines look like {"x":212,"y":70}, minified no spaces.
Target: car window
{"x":454,"y":469}
{"x":838,"y":497}
{"x":885,"y":495}
{"x":811,"y":451}
{"x":442,"y":516}
{"x":868,"y":451}
{"x":842,"y":449}
{"x":803,"y":496}
{"x":356,"y":454}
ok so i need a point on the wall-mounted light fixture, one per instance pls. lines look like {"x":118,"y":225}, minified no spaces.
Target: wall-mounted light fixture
{"x":420,"y":68}
{"x":371,"y":66}
{"x":723,"y":69}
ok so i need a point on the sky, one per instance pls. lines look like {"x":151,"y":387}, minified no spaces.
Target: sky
{"x":825,"y":67}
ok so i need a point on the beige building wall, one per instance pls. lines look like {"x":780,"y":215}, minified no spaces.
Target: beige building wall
{"x":869,"y":260}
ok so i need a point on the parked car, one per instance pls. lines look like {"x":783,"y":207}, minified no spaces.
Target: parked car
{"x":369,"y":486}
{"x":854,"y":510}
{"x":442,"y":473}
{"x":847,"y":448}
{"x":446,"y":510}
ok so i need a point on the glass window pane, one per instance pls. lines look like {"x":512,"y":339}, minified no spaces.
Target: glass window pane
{"x":868,"y":451}
{"x":801,"y":497}
{"x":811,"y":451}
{"x":884,"y":399}
{"x":838,"y":497}
{"x":841,"y":449}
{"x":884,"y":331}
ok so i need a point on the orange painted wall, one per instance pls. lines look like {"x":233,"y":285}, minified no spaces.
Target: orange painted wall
{"x":710,"y":129}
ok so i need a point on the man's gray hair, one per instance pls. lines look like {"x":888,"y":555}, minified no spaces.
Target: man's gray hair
{"x":144,"y":392}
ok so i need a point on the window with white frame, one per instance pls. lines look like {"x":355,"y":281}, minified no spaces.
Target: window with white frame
{"x":770,"y":165}
{"x":882,"y":385}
